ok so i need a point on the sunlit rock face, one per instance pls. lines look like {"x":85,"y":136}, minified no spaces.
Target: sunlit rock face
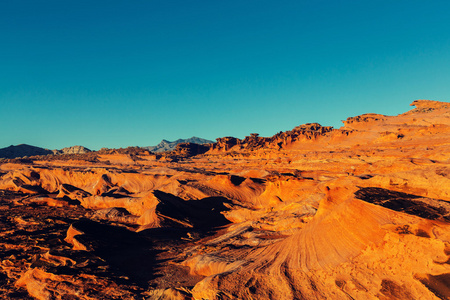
{"x":359,"y":212}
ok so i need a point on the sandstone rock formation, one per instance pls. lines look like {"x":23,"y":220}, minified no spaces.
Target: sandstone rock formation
{"x":360,"y":212}
{"x":280,"y":140}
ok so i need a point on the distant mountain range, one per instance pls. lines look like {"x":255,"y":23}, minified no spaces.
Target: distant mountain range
{"x":168,"y":146}
{"x":28,"y":150}
{"x":22,"y":150}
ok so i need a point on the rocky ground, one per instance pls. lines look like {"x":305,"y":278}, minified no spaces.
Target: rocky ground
{"x":360,"y":212}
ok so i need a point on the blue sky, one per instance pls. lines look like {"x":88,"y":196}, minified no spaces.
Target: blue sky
{"x":130,"y":73}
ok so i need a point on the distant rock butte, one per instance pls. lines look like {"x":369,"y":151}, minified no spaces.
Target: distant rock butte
{"x":359,"y":212}
{"x":72,"y":150}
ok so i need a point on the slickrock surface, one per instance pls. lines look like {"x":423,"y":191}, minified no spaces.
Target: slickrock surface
{"x":360,"y":212}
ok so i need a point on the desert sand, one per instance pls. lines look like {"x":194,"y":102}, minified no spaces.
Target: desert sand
{"x":359,"y":212}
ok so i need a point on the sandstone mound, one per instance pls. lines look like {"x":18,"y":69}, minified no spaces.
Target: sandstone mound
{"x":333,"y":249}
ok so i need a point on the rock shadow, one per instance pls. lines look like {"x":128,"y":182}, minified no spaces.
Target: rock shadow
{"x":410,"y":204}
{"x":204,"y":214}
{"x":128,"y":254}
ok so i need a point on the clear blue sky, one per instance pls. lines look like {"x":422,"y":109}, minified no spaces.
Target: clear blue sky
{"x":130,"y":73}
